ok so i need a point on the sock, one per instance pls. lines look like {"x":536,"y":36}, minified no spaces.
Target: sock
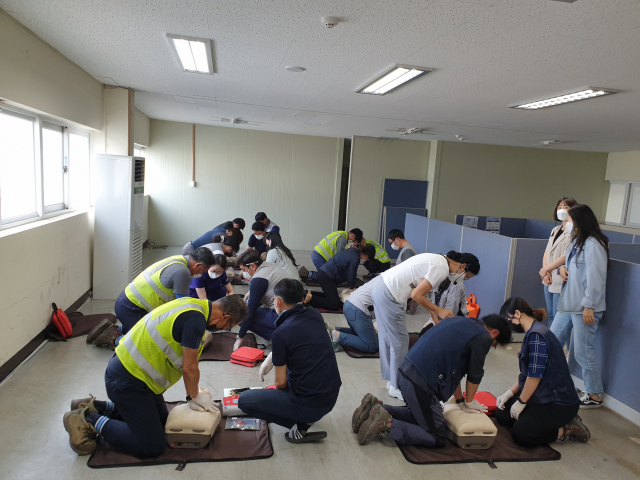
{"x":312,"y":275}
{"x":335,"y":335}
{"x":117,"y":342}
{"x":98,"y":421}
{"x":105,"y":408}
{"x":119,"y":328}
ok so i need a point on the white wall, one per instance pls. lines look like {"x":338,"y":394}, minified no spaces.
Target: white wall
{"x":43,"y":262}
{"x":34,"y":75}
{"x":623,"y":166}
{"x":373,"y":160}
{"x":293,"y":178}
{"x":141,"y":128}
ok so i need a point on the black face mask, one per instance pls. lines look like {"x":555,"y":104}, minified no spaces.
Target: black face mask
{"x":516,"y":328}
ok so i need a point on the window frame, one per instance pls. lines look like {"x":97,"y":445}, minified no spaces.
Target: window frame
{"x":623,"y":214}
{"x":629,"y":197}
{"x":40,"y":122}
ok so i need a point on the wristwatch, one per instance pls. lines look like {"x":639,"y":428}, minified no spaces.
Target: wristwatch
{"x":460,"y":401}
{"x":189,"y":398}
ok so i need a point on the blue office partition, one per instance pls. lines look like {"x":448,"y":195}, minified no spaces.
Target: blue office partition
{"x":618,"y":237}
{"x":526,"y":281}
{"x":416,"y":229}
{"x":443,"y":237}
{"x":539,"y":228}
{"x":627,"y":252}
{"x":493,"y":252}
{"x":513,"y":227}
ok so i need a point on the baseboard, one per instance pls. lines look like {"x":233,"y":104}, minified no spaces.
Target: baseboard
{"x":14,"y":362}
{"x":613,"y":404}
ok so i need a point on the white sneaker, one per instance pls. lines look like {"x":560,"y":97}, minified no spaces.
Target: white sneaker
{"x":395,"y":393}
{"x":388,"y":384}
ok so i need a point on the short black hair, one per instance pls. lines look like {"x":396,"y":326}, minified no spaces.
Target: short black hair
{"x":239,"y":222}
{"x":358,"y":234}
{"x":289,"y":290}
{"x":234,"y":306}
{"x":501,"y":324}
{"x":369,"y":251}
{"x":204,"y":256}
{"x":261,"y":216}
{"x":258,"y":227}
{"x":472,"y":262}
{"x":395,"y":233}
{"x":248,"y":257}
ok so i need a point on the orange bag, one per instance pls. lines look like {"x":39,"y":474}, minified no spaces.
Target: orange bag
{"x":472,"y":306}
{"x":61,"y":321}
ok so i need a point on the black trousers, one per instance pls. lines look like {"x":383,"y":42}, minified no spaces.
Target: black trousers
{"x":376,"y":266}
{"x":538,"y":424}
{"x":330,"y":299}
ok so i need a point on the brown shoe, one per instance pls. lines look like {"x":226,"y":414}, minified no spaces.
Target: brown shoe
{"x":108,"y":337}
{"x":80,"y":403}
{"x":82,"y":435}
{"x":412,"y":306}
{"x":97,"y":330}
{"x":378,"y":424}
{"x":361,"y":413}
{"x":303,"y":272}
{"x":576,"y":430}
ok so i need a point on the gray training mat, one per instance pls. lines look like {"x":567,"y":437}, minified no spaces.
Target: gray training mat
{"x":221,"y":346}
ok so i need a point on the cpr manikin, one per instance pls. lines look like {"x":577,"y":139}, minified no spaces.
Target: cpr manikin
{"x":188,"y":428}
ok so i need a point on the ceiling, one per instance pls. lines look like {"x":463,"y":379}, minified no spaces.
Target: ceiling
{"x":487,"y":54}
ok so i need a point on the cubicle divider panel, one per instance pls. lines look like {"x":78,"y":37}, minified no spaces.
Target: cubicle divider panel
{"x":618,"y":237}
{"x":416,"y":229}
{"x":513,"y":227}
{"x":627,"y":252}
{"x":526,"y":281}
{"x":482,"y":221}
{"x":494,"y":253}
{"x":618,"y":336}
{"x":539,"y":229}
{"x":443,"y":237}
{"x":636,"y":238}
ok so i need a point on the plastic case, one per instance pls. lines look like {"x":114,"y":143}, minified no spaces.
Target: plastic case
{"x":469,"y":430}
{"x":230,"y":402}
{"x":247,"y":356}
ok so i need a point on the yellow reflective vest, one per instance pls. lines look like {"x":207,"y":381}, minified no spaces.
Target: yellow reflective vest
{"x":381,"y":253}
{"x":146,"y":290}
{"x":328,"y":245}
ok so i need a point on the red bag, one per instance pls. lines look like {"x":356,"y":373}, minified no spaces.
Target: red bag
{"x":247,"y":356}
{"x":61,"y":321}
{"x":486,"y":399}
{"x":473,"y":307}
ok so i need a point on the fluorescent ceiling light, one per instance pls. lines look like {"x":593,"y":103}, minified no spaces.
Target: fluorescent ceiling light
{"x":392,"y":79}
{"x":583,"y":94}
{"x":194,"y":54}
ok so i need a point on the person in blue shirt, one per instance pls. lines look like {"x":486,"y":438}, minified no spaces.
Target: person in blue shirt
{"x":342,"y":267}
{"x":206,"y":238}
{"x":307,"y":377}
{"x":269,"y":226}
{"x":542,"y":406}
{"x":256,"y":240}
{"x":430,"y":374}
{"x":212,"y":284}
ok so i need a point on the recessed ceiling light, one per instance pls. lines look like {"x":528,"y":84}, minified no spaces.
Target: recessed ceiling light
{"x":294,"y":69}
{"x":392,"y":79}
{"x":194,"y":54}
{"x":583,"y":94}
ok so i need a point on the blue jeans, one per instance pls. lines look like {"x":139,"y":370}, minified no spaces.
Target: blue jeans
{"x":281,"y":407}
{"x":128,"y":312}
{"x":584,"y":339}
{"x":317,"y":259}
{"x":360,"y":334}
{"x":552,"y":303}
{"x":137,"y":424}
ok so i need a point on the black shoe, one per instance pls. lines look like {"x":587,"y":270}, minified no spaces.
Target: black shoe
{"x":586,"y":402}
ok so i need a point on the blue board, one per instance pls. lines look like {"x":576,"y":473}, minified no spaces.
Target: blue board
{"x":405,"y":193}
{"x":395,"y":217}
{"x":618,"y":237}
{"x":443,"y":237}
{"x":416,"y":229}
{"x":513,"y":227}
{"x":539,"y":229}
{"x":627,"y":252}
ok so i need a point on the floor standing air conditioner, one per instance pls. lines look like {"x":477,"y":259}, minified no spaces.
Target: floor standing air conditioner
{"x":117,"y":247}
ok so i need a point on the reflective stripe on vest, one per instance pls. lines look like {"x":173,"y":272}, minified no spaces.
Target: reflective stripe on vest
{"x":328,"y":245}
{"x":149,"y":351}
{"x":381,"y":253}
{"x":147,"y":291}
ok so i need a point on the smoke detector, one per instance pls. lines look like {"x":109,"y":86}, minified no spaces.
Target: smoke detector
{"x":330,"y":22}
{"x":461,"y":138}
{"x":294,"y":69}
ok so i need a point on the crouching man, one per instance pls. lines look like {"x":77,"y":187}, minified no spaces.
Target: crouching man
{"x":162,"y":347}
{"x":431,"y":373}
{"x":307,"y":376}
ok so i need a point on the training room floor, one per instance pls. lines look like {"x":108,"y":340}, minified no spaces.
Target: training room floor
{"x":34,"y":444}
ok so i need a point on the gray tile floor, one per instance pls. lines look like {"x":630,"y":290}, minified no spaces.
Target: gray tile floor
{"x":34,"y":445}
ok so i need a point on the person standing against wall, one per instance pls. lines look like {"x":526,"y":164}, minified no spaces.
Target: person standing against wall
{"x":582,"y":301}
{"x":559,"y":240}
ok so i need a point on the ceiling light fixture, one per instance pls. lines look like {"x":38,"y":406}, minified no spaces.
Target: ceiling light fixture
{"x":392,"y":79}
{"x":294,"y":69}
{"x":583,"y":94}
{"x":193,"y":54}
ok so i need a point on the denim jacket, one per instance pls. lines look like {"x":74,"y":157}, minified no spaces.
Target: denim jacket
{"x":586,"y":286}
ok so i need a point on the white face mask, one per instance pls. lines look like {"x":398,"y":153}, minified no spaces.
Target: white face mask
{"x":568,"y":227}
{"x":562,"y":214}
{"x":395,"y":247}
{"x":454,"y":277}
{"x":214,"y":275}
{"x":247,"y":276}
{"x":259,"y":237}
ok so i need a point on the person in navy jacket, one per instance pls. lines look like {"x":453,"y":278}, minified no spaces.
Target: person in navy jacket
{"x":542,"y":405}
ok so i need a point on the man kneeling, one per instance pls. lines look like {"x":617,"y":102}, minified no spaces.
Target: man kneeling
{"x":152,"y":357}
{"x":307,"y":376}
{"x":431,"y":373}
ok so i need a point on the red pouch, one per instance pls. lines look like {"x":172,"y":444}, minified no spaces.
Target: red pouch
{"x":61,"y":321}
{"x":247,"y":356}
{"x":486,"y":399}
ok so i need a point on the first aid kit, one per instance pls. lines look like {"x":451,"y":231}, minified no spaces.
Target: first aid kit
{"x":61,"y":321}
{"x":247,"y":356}
{"x":230,"y":398}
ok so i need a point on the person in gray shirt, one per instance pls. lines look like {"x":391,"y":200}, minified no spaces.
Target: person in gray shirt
{"x":398,"y":242}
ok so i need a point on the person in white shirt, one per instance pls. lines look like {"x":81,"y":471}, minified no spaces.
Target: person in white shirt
{"x":279,"y":254}
{"x":427,"y":271}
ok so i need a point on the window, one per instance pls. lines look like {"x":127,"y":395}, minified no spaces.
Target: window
{"x":138,"y":150}
{"x":44,"y":167}
{"x":623,"y":207}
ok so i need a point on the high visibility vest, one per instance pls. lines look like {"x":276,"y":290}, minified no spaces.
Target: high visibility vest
{"x":328,"y":245}
{"x":146,"y":290}
{"x":381,"y":253}
{"x":150,"y":353}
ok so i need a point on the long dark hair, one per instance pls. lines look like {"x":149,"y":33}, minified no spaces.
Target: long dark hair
{"x":517,"y":303}
{"x":472,"y":262}
{"x":585,"y":225}
{"x":569,"y":202}
{"x":276,"y":242}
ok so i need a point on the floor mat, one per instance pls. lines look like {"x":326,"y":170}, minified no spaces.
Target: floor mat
{"x":503,"y":450}
{"x":322,"y":310}
{"x":312,"y":283}
{"x":80,"y":324}
{"x":221,"y":347}
{"x":355,"y":353}
{"x":225,"y":446}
